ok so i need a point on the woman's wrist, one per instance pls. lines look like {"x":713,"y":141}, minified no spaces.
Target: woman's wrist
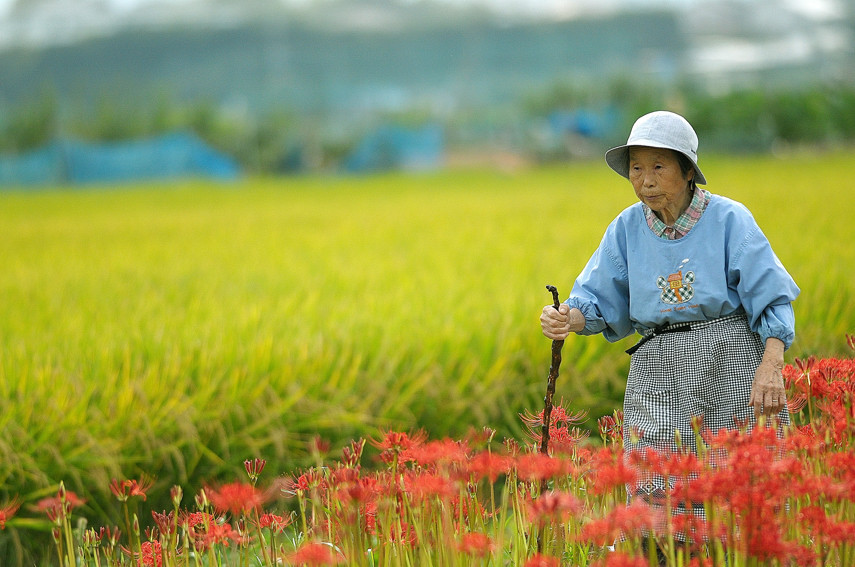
{"x":774,"y":352}
{"x":577,"y":320}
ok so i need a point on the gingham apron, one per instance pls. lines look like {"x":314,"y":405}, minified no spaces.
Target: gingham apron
{"x":683,"y":371}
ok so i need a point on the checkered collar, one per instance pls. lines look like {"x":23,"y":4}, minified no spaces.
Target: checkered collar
{"x":684,"y":223}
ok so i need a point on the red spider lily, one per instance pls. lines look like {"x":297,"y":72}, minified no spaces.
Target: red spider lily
{"x":236,"y":497}
{"x":427,"y":486}
{"x":710,"y":488}
{"x":125,"y":489}
{"x":165,"y":521}
{"x":564,"y":432}
{"x":621,"y":559}
{"x":559,"y":415}
{"x":196,"y":523}
{"x":274,"y":523}
{"x":513,"y":448}
{"x":621,"y":520}
{"x":176,"y":493}
{"x":318,"y":446}
{"x":445,"y":451}
{"x":751,"y":483}
{"x":480,"y":438}
{"x":742,"y":477}
{"x":150,"y":555}
{"x":821,"y":378}
{"x":358,"y":489}
{"x":403,"y":533}
{"x":466,"y":509}
{"x":341,"y":476}
{"x":803,"y":440}
{"x":59,"y":506}
{"x":824,"y":528}
{"x":553,"y":507}
{"x":206,"y":531}
{"x":538,"y":560}
{"x":693,"y":529}
{"x":701,"y":562}
{"x":764,"y":540}
{"x":216,"y":534}
{"x":564,"y":440}
{"x":796,"y":403}
{"x":316,"y":554}
{"x":394,"y":443}
{"x":476,"y":544}
{"x":611,"y":427}
{"x":487,"y":464}
{"x":842,"y":466}
{"x":838,"y":422}
{"x":253,"y":468}
{"x":580,"y":463}
{"x":537,"y":467}
{"x":820,"y":485}
{"x":368,"y":515}
{"x":667,"y":463}
{"x":8,"y":510}
{"x":196,"y":519}
{"x":611,"y":471}
{"x":307,"y":481}
{"x":94,"y":538}
{"x":351,"y":456}
{"x":201,"y":500}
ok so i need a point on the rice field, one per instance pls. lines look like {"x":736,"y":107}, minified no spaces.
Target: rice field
{"x":178,"y":330}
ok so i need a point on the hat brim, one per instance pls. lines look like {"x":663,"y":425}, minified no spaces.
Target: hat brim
{"x":618,"y":159}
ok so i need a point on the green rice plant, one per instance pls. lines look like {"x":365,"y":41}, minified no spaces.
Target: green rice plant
{"x":178,"y":329}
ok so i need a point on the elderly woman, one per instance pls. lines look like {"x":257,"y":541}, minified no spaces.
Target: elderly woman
{"x":693,"y":274}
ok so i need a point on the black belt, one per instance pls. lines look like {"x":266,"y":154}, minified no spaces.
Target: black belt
{"x":660,"y":330}
{"x":679,"y":327}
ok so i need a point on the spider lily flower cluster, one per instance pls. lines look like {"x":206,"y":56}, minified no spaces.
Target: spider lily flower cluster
{"x":744,"y":498}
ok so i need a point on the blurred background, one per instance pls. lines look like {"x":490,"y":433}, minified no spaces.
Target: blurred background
{"x":113,"y":90}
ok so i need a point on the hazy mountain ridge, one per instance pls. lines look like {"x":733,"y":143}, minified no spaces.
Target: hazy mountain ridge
{"x":354,"y":55}
{"x":39,"y":23}
{"x":297,"y":64}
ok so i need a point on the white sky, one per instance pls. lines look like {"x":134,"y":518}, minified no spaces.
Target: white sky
{"x":814,"y":9}
{"x":513,"y":4}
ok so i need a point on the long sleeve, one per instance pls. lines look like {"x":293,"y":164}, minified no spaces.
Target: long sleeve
{"x":601,"y":292}
{"x":766,"y":290}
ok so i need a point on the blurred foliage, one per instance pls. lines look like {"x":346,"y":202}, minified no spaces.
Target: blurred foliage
{"x":282,"y":141}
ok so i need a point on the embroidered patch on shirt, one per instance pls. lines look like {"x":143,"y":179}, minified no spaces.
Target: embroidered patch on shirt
{"x":684,"y":223}
{"x":677,"y":287}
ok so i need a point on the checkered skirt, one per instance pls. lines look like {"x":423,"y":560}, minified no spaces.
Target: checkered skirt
{"x":705,"y":371}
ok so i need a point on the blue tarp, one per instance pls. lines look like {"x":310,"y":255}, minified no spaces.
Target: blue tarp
{"x":588,"y":123}
{"x":393,"y":147}
{"x":73,"y":162}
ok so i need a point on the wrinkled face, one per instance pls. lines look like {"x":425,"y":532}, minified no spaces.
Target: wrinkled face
{"x":659,"y":182}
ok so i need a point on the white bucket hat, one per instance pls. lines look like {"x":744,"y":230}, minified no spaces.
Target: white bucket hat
{"x":660,"y":129}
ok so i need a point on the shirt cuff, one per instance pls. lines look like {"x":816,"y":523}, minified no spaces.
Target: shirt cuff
{"x":593,"y":322}
{"x":778,"y":321}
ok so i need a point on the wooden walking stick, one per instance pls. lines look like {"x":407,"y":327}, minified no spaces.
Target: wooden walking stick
{"x":550,"y":386}
{"x":547,"y":402}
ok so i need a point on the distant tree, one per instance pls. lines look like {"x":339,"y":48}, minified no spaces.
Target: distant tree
{"x":113,"y":118}
{"x":31,"y":124}
{"x":561,"y":94}
{"x":166,"y":115}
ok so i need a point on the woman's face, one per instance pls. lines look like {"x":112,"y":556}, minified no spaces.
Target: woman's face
{"x":659,"y":182}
